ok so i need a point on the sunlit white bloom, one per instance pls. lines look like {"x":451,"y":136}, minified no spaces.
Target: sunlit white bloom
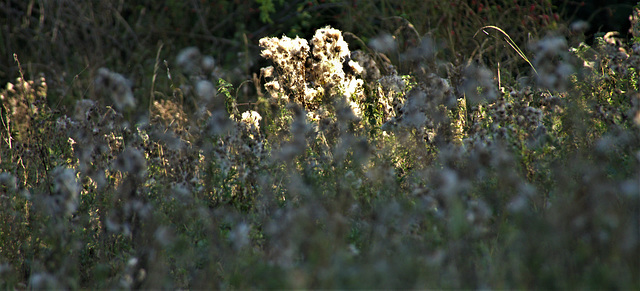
{"x":352,"y":86}
{"x":252,"y":118}
{"x":289,"y":55}
{"x":267,"y":72}
{"x":307,"y":80}
{"x":328,"y":44}
{"x":355,"y":67}
{"x":281,"y":49}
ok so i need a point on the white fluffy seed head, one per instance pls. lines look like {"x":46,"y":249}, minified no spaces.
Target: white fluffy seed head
{"x":252,"y":118}
{"x":205,"y":90}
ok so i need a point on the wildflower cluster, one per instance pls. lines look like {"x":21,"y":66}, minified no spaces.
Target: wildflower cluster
{"x":310,"y":72}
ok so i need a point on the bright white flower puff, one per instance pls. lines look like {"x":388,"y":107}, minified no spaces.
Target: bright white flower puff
{"x":252,"y":118}
{"x":307,"y":80}
{"x":289,"y":55}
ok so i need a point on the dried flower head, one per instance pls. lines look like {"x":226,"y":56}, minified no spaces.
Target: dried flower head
{"x":579,"y":26}
{"x":168,"y":112}
{"x":290,"y":56}
{"x":329,"y":45}
{"x":23,"y":100}
{"x":193,"y":62}
{"x":310,"y":73}
{"x":299,"y":129}
{"x":412,"y":114}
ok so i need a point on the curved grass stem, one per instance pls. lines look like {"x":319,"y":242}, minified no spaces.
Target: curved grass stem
{"x":511,"y":43}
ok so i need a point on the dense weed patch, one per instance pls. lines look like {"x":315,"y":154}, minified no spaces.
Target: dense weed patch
{"x":391,"y":156}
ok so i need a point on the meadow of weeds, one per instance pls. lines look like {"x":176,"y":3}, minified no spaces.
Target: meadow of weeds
{"x":317,"y":144}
